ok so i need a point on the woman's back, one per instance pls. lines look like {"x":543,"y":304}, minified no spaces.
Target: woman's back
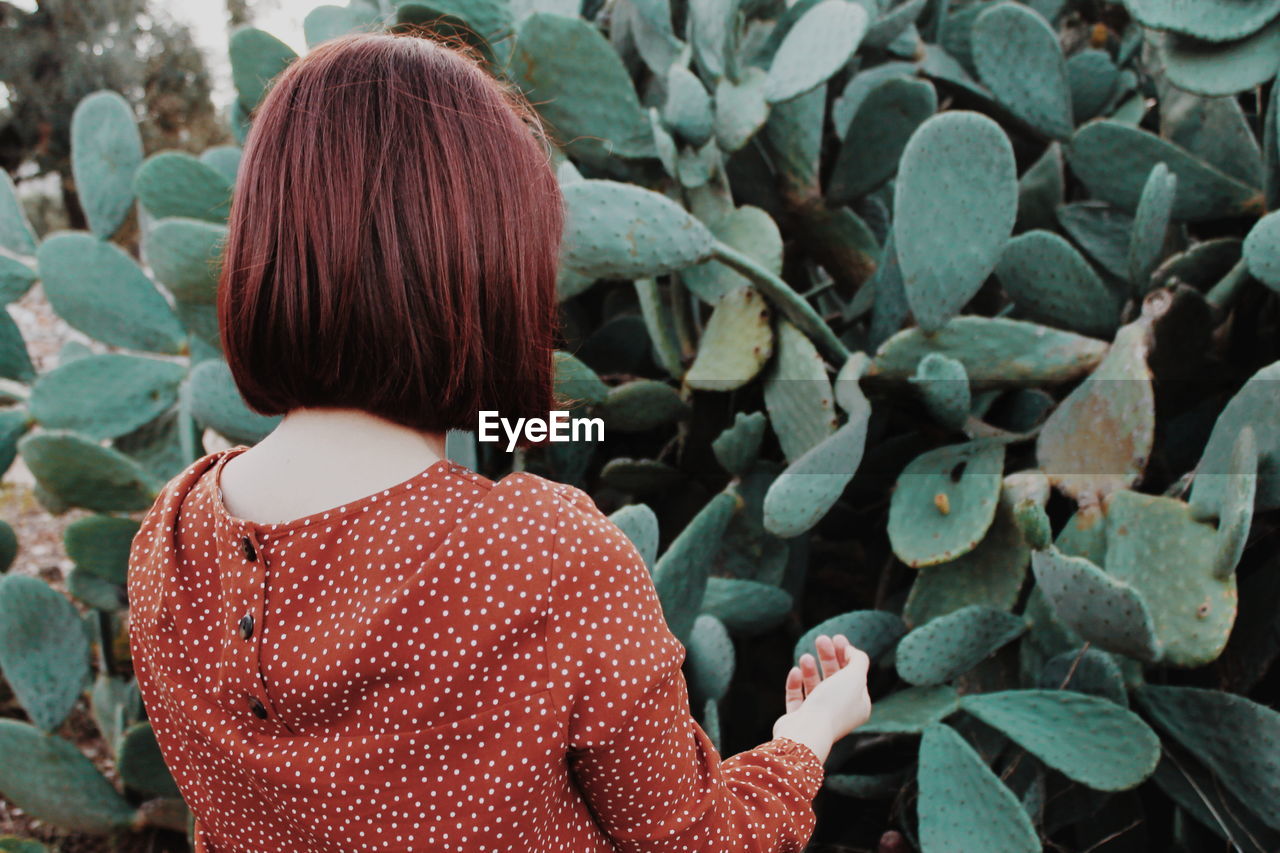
{"x":451,"y":663}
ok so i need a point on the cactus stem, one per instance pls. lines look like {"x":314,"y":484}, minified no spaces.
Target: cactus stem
{"x":1222,"y":294}
{"x":790,"y":303}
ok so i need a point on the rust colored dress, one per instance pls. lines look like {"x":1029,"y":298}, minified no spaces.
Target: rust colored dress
{"x":449,"y":664}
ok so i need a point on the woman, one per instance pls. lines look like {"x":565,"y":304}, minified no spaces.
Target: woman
{"x":346,"y":642}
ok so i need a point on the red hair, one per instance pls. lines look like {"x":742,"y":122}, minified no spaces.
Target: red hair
{"x":393,"y":240}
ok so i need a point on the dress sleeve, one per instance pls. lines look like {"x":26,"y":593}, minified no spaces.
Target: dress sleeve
{"x":647,"y":770}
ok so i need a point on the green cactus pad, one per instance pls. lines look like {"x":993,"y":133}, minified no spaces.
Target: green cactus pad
{"x":80,"y":472}
{"x":877,"y":134}
{"x":1094,"y":80}
{"x":326,"y":22}
{"x":1155,"y":546}
{"x":711,"y":657}
{"x":105,"y":396}
{"x":639,"y":476}
{"x":687,"y":110}
{"x":944,"y":386}
{"x":1040,"y":191}
{"x":866,"y":786}
{"x":1262,"y":250}
{"x":1212,"y":20}
{"x":1114,"y":160}
{"x":15,"y":363}
{"x":617,"y":230}
{"x":951,"y":645}
{"x":860,"y":85}
{"x":577,"y":381}
{"x":797,"y":393}
{"x":1086,"y":670}
{"x":1237,"y":508}
{"x":579,"y":84}
{"x":1101,"y":609}
{"x":106,"y":151}
{"x":173,"y":183}
{"x":14,"y":423}
{"x":8,"y":546}
{"x":224,"y":159}
{"x":1052,"y":283}
{"x":991,"y":574}
{"x":216,"y":402}
{"x":746,"y":606}
{"x":806,"y":490}
{"x":141,"y":765}
{"x":642,"y":404}
{"x":1033,"y":524}
{"x":994,"y":351}
{"x":640,"y":524}
{"x":681,"y":573}
{"x":1194,"y":788}
{"x":1088,"y":739}
{"x":1221,"y":69}
{"x":1236,"y":738}
{"x":1085,"y":535}
{"x":256,"y":58}
{"x":16,"y":278}
{"x":738,"y":445}
{"x":910,"y":711}
{"x":97,"y":288}
{"x":873,"y":631}
{"x":1099,"y":438}
{"x":749,"y":230}
{"x":51,"y":780}
{"x":660,"y":322}
{"x":1102,"y":231}
{"x":44,"y":652}
{"x":735,"y":344}
{"x":1256,"y":405}
{"x":100,"y":544}
{"x":741,"y":109}
{"x":958,"y":168}
{"x":963,"y":805}
{"x":1150,"y":224}
{"x":15,"y":229}
{"x":816,"y":47}
{"x":185,"y":256}
{"x":1018,"y":57}
{"x":944,"y":502}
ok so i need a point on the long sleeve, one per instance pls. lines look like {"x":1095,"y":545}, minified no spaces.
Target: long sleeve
{"x":648,"y":771}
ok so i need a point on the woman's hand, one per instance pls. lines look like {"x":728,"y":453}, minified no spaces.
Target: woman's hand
{"x":839,"y":692}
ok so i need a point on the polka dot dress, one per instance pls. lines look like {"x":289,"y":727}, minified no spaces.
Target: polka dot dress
{"x":450,"y":664}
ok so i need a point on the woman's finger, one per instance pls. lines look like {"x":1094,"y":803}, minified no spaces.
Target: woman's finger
{"x":809,"y":669}
{"x":827,"y":657}
{"x":795,"y":690}
{"x":843,"y":650}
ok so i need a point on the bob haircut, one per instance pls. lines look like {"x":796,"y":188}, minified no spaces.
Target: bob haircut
{"x":393,"y":240}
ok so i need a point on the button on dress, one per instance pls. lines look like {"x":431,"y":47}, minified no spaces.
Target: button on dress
{"x":450,"y":664}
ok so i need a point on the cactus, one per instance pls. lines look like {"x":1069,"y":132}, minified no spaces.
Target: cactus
{"x":951,"y":772}
{"x":951,"y":645}
{"x":1087,"y":739}
{"x":813,"y":294}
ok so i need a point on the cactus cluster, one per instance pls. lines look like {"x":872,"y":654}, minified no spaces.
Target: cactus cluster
{"x":998,"y":279}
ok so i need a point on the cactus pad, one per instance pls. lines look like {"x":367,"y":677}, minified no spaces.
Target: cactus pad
{"x":944,"y":502}
{"x":910,"y":711}
{"x":1099,"y":608}
{"x":735,"y":344}
{"x":1052,"y":283}
{"x":1088,"y":739}
{"x":106,"y":151}
{"x":1018,"y":57}
{"x":952,"y":645}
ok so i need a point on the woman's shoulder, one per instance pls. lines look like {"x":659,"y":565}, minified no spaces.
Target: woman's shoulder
{"x":525,"y":488}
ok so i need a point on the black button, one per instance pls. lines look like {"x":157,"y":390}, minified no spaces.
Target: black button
{"x":247,"y":546}
{"x":246,"y":625}
{"x":257,"y":706}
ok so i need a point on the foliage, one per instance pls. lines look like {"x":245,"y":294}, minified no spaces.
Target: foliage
{"x":996,"y":279}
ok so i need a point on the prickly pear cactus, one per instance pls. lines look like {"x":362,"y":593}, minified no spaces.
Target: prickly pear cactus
{"x":947,"y":326}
